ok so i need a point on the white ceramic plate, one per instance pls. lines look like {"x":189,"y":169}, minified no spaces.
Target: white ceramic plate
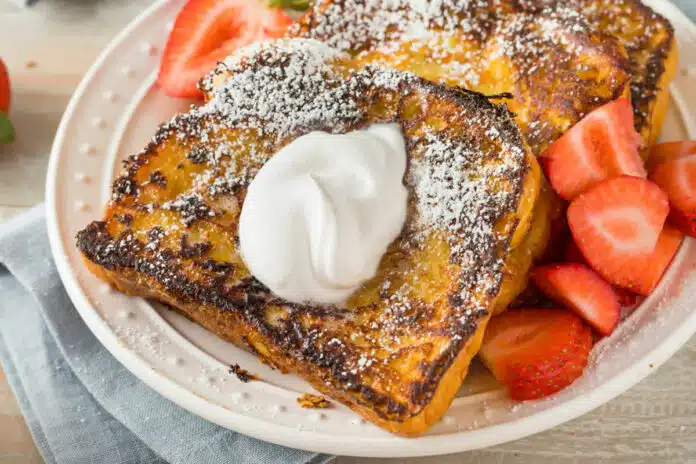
{"x":115,"y":111}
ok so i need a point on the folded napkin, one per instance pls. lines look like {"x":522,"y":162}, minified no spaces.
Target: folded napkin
{"x":81,"y":405}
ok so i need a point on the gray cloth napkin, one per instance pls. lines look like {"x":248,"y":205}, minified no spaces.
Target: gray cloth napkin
{"x":81,"y":405}
{"x":687,"y":6}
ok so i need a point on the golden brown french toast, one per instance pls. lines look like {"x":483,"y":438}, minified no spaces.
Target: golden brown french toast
{"x":650,"y":42}
{"x":556,"y":67}
{"x":398,"y":353}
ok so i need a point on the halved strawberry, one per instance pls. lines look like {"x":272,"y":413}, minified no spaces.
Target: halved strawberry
{"x":206,"y":32}
{"x":536,"y":352}
{"x":670,"y":151}
{"x":658,"y":261}
{"x":574,"y":255}
{"x":675,"y":172}
{"x":601,"y":146}
{"x":5,"y":94}
{"x":616,"y":225}
{"x":579,"y":288}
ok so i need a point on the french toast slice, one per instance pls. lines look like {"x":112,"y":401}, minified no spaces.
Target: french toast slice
{"x":651,"y":44}
{"x":551,"y":61}
{"x":399,"y":351}
{"x":455,"y":41}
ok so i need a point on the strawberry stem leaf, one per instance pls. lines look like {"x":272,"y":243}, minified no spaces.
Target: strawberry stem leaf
{"x":7,"y":133}
{"x":292,"y":4}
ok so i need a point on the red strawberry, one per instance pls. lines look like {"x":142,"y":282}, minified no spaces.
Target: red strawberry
{"x":536,"y":352}
{"x":7,"y":134}
{"x":206,"y":32}
{"x":626,"y":298}
{"x":658,"y":261}
{"x":573,"y":255}
{"x":616,"y":225}
{"x":579,"y":288}
{"x":670,"y":151}
{"x":675,"y":172}
{"x":601,"y":146}
{"x":5,"y":94}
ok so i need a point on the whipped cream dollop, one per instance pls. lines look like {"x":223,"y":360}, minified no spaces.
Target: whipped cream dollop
{"x":321,"y":213}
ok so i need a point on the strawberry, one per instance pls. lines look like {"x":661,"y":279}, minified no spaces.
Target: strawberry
{"x":579,"y":288}
{"x":206,"y":32}
{"x":674,"y":170}
{"x":536,"y":352}
{"x":658,"y":261}
{"x":616,"y":225}
{"x":5,"y":94}
{"x":670,"y":151}
{"x":573,"y":255}
{"x":601,"y":146}
{"x":7,"y":134}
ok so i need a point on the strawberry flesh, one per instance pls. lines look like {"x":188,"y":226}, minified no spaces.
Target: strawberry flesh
{"x":206,"y":32}
{"x":616,"y":226}
{"x":580,"y":289}
{"x":676,"y":175}
{"x":601,"y":146}
{"x":536,"y":352}
{"x":656,"y":264}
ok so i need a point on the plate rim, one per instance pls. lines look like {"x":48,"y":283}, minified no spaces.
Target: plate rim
{"x":397,"y":447}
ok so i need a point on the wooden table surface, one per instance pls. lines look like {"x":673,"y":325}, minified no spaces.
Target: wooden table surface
{"x":50,"y":46}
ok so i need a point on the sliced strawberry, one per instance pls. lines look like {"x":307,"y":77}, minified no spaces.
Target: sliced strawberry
{"x":573,"y":255}
{"x":601,"y":146}
{"x":206,"y":32}
{"x":658,"y":261}
{"x":676,"y":175}
{"x":579,"y":288}
{"x":536,"y":352}
{"x":616,"y":225}
{"x":670,"y":151}
{"x":5,"y":94}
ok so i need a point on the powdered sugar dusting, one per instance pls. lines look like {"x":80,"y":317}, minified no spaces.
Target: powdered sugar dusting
{"x":368,"y":25}
{"x":354,"y":24}
{"x":453,"y":184}
{"x":286,"y":87}
{"x":492,"y":46}
{"x":280,"y":89}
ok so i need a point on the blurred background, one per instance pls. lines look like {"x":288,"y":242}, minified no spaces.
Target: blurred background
{"x":47,"y":47}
